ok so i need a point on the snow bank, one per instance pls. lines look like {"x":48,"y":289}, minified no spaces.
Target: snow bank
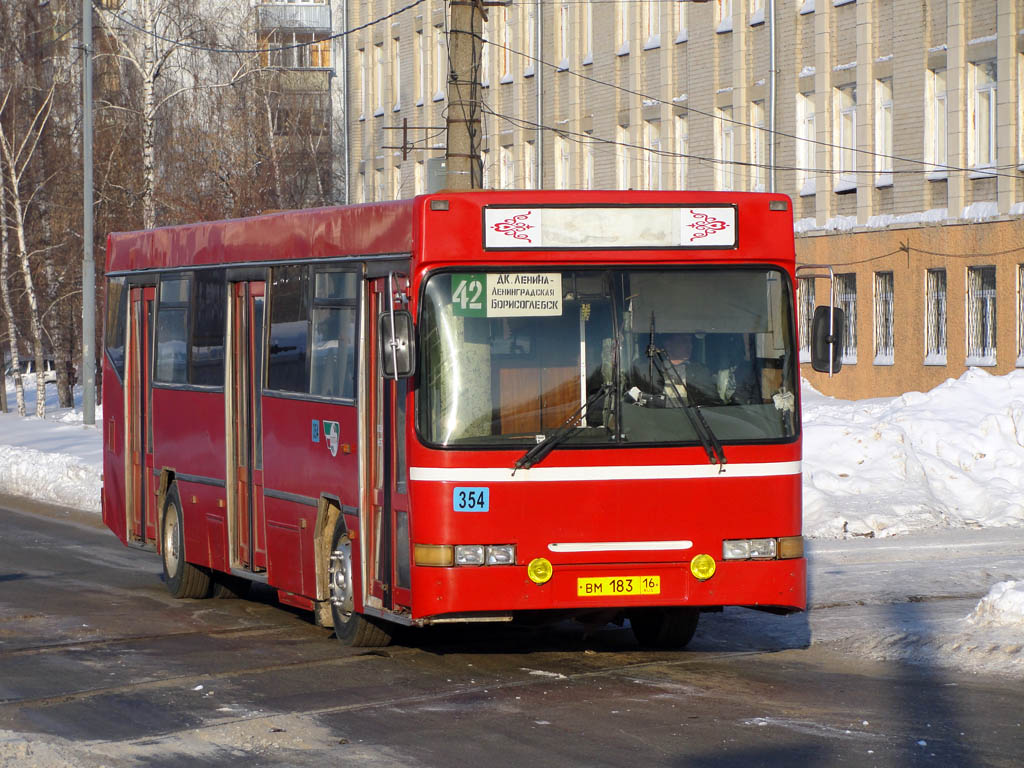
{"x":951,"y":457}
{"x":1002,"y":606}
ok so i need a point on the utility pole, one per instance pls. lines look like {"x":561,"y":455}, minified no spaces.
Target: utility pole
{"x":88,"y":268}
{"x":465,"y":34}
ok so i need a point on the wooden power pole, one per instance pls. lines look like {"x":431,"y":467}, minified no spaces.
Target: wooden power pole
{"x":465,"y":36}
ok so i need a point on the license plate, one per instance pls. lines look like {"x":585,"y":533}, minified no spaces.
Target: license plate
{"x":618,"y":586}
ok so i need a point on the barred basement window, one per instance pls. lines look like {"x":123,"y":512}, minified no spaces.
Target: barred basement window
{"x":846,"y":299}
{"x":805,"y":315}
{"x":981,"y":316}
{"x":883,"y":319}
{"x":935,"y":317}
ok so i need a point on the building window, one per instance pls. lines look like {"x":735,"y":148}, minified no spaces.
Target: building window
{"x":935,"y":317}
{"x":846,"y":300}
{"x":845,"y":151}
{"x":440,"y":64}
{"x":682,"y":142}
{"x":805,"y":315}
{"x":379,"y":192}
{"x":530,"y":165}
{"x":652,"y":24}
{"x":758,"y":147}
{"x":806,"y":149}
{"x":981,"y":316}
{"x":564,"y":28}
{"x":421,"y":67}
{"x":981,"y":120}
{"x":419,"y":178}
{"x":936,"y":123}
{"x":682,"y":34}
{"x":883,"y":133}
{"x":623,"y":151}
{"x":562,"y":168}
{"x":588,"y":34}
{"x":652,"y":154}
{"x":531,"y":38}
{"x":884,"y":353}
{"x":623,"y":28}
{"x":726,"y":150}
{"x":396,"y":73}
{"x":294,"y":50}
{"x":588,"y":161}
{"x":756,"y":12}
{"x":723,"y":16}
{"x":485,"y":60}
{"x":378,"y":79}
{"x":505,"y":21}
{"x":506,"y":168}
{"x":361,"y":56}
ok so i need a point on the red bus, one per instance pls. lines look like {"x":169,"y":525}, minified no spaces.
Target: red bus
{"x":465,"y":407}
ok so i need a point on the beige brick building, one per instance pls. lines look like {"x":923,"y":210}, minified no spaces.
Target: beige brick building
{"x":897,"y":134}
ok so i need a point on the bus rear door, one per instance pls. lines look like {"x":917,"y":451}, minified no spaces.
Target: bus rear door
{"x":140,"y":490}
{"x":246,"y":514}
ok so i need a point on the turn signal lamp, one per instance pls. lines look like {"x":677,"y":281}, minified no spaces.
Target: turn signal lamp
{"x":433,"y":554}
{"x":703,"y":567}
{"x":790,"y":547}
{"x":539,"y":570}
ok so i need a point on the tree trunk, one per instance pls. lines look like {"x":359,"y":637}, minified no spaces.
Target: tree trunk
{"x":148,"y":120}
{"x":5,"y":294}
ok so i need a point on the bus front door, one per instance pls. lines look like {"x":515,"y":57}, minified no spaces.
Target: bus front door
{"x":140,"y":488}
{"x":389,"y":557}
{"x":246,"y":517}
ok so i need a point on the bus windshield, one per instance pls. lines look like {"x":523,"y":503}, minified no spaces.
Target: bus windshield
{"x":510,"y":357}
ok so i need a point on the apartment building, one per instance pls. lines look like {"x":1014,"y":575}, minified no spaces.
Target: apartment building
{"x":897,"y":134}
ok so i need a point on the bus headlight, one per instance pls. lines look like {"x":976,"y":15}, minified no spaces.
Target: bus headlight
{"x":784,"y":548}
{"x":501,"y":554}
{"x":469,"y":554}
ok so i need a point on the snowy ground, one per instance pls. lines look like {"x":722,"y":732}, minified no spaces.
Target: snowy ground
{"x":913,"y":509}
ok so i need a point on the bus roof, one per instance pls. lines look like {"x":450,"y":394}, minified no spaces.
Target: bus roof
{"x":453,"y":226}
{"x":372,"y":228}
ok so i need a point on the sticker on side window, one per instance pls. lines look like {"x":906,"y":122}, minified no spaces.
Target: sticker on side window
{"x":507,"y":294}
{"x":471,"y":499}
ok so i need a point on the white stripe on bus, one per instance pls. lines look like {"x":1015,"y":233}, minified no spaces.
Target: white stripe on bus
{"x":574,"y":474}
{"x":620,"y":546}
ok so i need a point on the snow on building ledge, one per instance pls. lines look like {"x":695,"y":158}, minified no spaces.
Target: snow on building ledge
{"x":974,"y":213}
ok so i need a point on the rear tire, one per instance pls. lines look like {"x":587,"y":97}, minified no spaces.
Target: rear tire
{"x":181,"y":577}
{"x":351,"y":628}
{"x":664,"y":627}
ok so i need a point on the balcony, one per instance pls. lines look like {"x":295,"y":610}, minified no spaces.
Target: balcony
{"x":307,"y":16}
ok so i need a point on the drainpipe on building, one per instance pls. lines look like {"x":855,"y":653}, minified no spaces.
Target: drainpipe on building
{"x":539,"y":75}
{"x":345,"y":100}
{"x":771,"y":96}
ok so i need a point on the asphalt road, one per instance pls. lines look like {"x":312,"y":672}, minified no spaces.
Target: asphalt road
{"x":99,"y":666}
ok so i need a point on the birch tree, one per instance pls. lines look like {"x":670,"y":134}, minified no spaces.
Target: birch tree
{"x":18,"y":154}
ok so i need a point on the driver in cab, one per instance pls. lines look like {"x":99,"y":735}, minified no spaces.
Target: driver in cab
{"x":665,"y":375}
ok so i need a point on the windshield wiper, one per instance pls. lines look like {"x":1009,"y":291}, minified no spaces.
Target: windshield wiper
{"x":567,"y":429}
{"x":708,"y":440}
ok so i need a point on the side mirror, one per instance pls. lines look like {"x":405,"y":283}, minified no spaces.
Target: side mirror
{"x":826,"y":347}
{"x":397,"y":345}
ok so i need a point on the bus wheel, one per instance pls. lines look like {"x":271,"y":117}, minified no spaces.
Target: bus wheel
{"x":182,"y":578}
{"x":664,"y":627}
{"x":350,"y":627}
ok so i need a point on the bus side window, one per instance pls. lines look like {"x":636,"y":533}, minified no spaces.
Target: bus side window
{"x":287,"y":363}
{"x":335,"y":297}
{"x":117,"y":303}
{"x":208,"y":307}
{"x":172,"y":331}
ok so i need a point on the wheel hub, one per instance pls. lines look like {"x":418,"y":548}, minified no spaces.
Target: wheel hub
{"x":341,"y":579}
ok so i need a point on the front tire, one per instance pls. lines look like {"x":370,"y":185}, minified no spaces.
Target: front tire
{"x":670,"y":628}
{"x":181,"y":577}
{"x":351,"y":628}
